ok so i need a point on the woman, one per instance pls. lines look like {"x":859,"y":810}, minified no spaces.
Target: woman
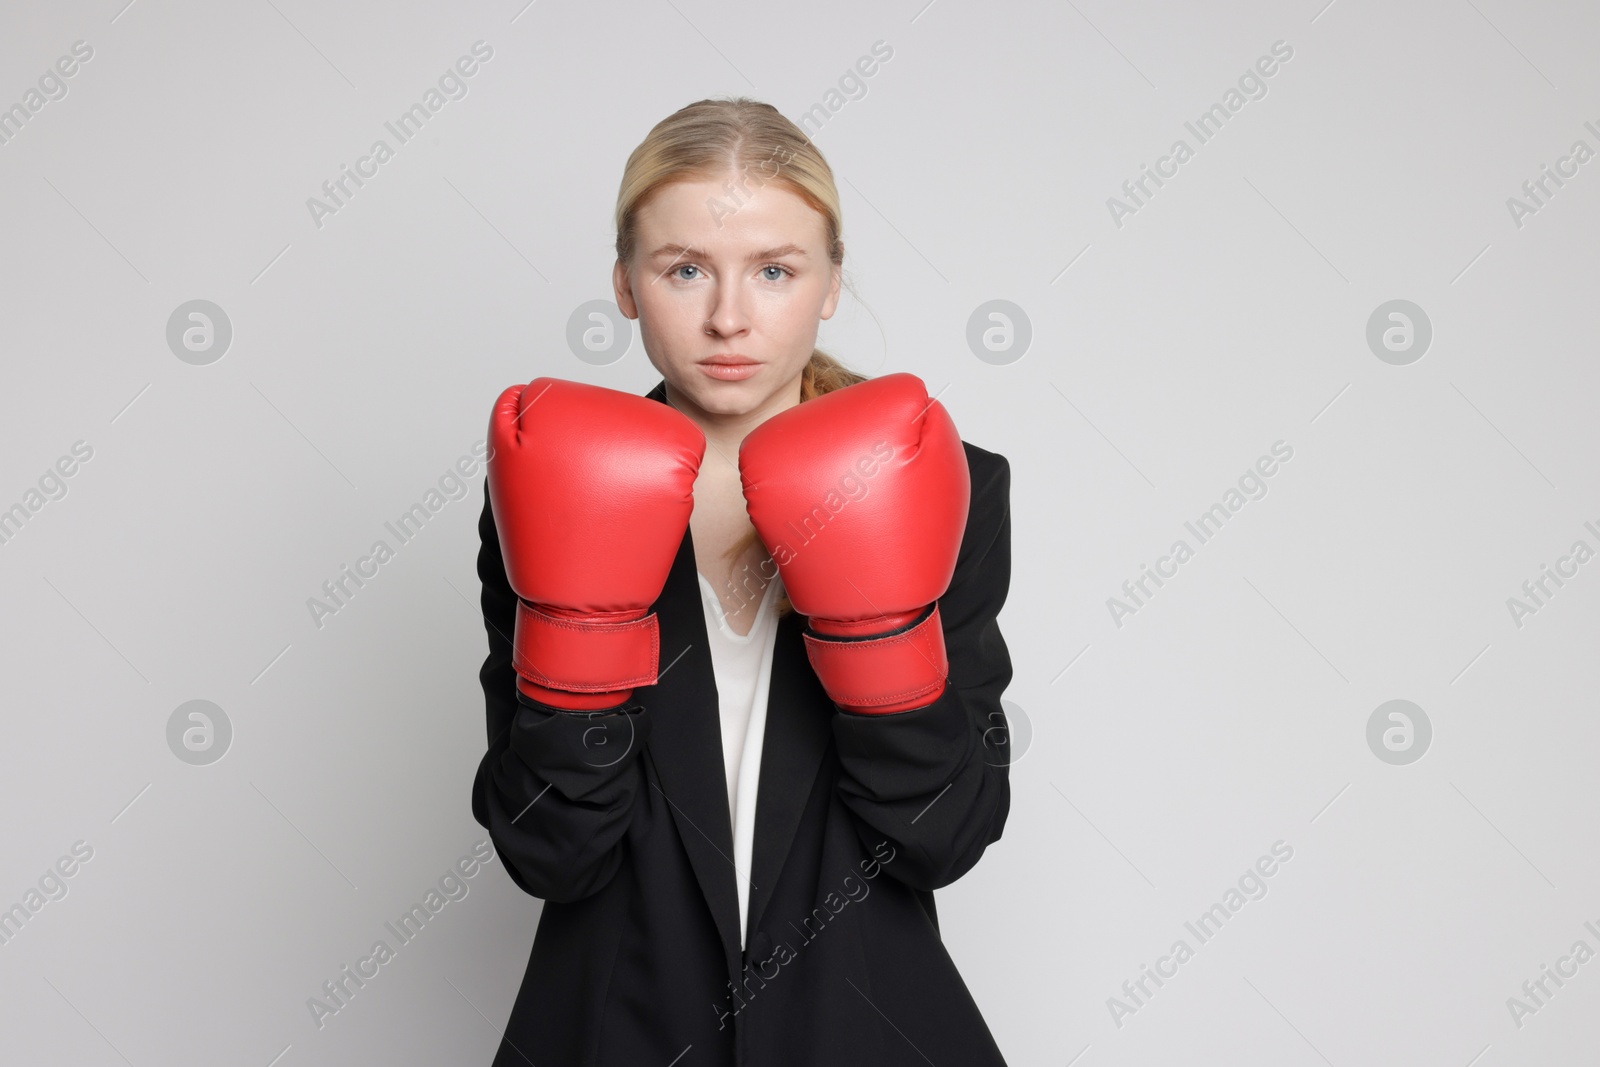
{"x":735,"y":808}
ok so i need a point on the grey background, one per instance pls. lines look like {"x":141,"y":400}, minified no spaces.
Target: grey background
{"x":1167,"y":355}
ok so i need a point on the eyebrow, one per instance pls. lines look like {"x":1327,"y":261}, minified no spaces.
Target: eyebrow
{"x":689,"y":251}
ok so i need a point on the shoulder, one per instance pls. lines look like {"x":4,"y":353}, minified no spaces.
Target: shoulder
{"x":990,"y":473}
{"x":989,"y":512}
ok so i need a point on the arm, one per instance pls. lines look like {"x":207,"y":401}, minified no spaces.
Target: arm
{"x":924,"y":778}
{"x":589,"y":492}
{"x":556,"y":789}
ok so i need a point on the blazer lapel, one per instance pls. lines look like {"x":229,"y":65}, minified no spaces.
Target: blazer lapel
{"x":799,"y":727}
{"x":686,"y":746}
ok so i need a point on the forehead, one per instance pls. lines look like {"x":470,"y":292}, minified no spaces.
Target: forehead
{"x":722,"y":217}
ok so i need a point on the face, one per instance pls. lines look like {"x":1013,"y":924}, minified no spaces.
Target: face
{"x":719,"y":279}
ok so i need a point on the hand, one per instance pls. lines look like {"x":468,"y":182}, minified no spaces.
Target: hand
{"x":861,"y":495}
{"x":591,"y":490}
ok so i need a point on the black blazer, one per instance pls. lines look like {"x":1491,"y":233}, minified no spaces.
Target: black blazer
{"x":620,"y":824}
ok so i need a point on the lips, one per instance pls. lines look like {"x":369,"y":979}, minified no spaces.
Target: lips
{"x":730,"y":368}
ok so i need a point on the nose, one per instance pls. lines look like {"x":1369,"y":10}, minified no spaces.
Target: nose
{"x":727,"y":315}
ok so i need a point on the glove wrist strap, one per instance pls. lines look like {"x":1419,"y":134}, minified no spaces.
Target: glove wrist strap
{"x":894,"y":672}
{"x":584,"y":655}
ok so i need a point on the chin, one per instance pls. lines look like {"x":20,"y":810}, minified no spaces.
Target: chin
{"x":725,"y":400}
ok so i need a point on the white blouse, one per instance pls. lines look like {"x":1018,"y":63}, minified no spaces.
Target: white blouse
{"x":743,"y":668}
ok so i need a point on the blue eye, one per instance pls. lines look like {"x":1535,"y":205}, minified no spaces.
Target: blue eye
{"x":783,"y":272}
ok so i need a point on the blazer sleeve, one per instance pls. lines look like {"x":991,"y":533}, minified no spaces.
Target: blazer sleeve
{"x":934,"y":780}
{"x":556,"y":789}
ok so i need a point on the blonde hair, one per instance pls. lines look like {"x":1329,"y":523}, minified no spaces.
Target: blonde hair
{"x":706,"y":140}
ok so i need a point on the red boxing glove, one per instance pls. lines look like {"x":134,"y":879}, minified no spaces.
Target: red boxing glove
{"x":591,"y":491}
{"x":861,"y":496}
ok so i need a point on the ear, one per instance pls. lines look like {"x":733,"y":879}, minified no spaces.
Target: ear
{"x":622,"y":287}
{"x":831,"y":303}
